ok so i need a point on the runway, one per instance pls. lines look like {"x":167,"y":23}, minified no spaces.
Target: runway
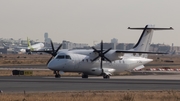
{"x":48,"y":84}
{"x":45,"y":67}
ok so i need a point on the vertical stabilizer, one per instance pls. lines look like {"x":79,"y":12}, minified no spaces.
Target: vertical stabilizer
{"x":29,"y":44}
{"x":144,"y":41}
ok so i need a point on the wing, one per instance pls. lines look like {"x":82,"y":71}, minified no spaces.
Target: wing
{"x":118,"y":54}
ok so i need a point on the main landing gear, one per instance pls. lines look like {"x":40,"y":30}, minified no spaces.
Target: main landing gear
{"x":84,"y":76}
{"x":57,"y":75}
{"x":105,"y":76}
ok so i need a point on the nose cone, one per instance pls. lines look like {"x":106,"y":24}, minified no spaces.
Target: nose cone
{"x":147,"y":61}
{"x":54,"y":65}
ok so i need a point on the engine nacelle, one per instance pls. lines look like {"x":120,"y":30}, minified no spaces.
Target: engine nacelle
{"x":98,"y":71}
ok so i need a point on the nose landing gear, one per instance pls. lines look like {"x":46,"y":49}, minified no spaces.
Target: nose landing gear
{"x":84,"y":75}
{"x":57,"y":75}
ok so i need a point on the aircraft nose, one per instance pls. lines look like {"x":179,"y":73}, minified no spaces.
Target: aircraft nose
{"x":51,"y":65}
{"x":55,"y":64}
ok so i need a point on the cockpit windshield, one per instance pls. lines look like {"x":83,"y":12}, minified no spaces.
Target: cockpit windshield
{"x":60,"y":57}
{"x":63,"y":57}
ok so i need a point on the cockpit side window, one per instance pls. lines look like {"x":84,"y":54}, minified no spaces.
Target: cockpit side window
{"x":60,"y":57}
{"x":68,"y":57}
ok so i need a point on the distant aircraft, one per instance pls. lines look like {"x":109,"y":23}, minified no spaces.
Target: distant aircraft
{"x":28,"y":49}
{"x":102,"y":62}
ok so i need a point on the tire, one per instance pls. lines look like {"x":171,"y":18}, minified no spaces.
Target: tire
{"x":57,"y":76}
{"x":84,"y":76}
{"x":106,"y":76}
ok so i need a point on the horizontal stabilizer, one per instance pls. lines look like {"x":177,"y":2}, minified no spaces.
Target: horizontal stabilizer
{"x":170,"y":28}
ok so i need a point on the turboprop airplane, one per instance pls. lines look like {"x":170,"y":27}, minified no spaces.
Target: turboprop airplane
{"x":102,"y":62}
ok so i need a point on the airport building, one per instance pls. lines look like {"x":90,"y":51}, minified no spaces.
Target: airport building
{"x":46,"y":38}
{"x":114,"y":43}
{"x":71,"y":45}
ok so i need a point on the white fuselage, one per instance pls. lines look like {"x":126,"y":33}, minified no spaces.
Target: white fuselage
{"x":37,"y":46}
{"x":82,"y":63}
{"x":34,"y":47}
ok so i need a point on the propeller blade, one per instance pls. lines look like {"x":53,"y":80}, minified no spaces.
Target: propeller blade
{"x":107,"y":50}
{"x":58,"y":48}
{"x":101,"y":46}
{"x":52,"y":45}
{"x":102,"y":56}
{"x":96,"y":58}
{"x":107,"y":59}
{"x":95,"y":50}
{"x":49,"y":60}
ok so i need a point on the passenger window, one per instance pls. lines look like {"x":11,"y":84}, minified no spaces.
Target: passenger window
{"x":60,"y":57}
{"x":68,"y":57}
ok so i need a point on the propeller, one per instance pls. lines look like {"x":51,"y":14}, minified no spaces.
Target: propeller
{"x":53,"y":52}
{"x":101,"y":55}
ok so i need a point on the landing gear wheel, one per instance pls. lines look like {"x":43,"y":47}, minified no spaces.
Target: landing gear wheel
{"x":57,"y":75}
{"x":106,"y":76}
{"x":84,"y":76}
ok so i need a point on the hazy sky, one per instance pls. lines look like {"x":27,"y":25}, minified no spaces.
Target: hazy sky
{"x":88,"y":21}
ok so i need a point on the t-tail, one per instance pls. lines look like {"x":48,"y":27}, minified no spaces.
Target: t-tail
{"x":29,"y":45}
{"x":144,"y":41}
